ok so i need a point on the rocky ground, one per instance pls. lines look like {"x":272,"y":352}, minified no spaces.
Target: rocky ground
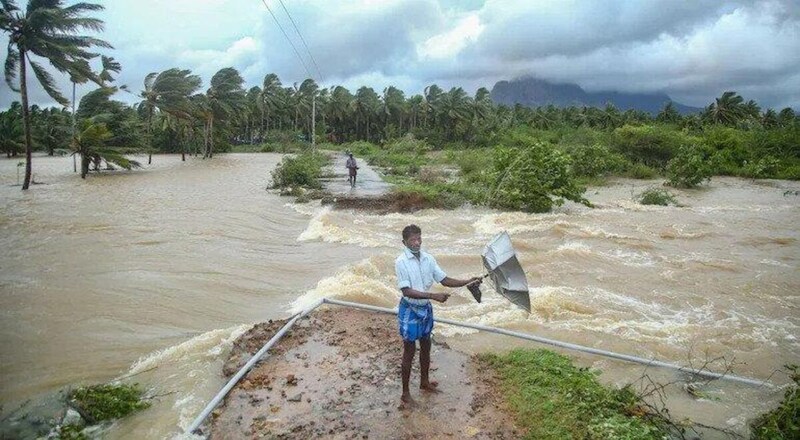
{"x":336,"y":374}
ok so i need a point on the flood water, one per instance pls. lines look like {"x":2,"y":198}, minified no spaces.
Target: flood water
{"x":155,"y":272}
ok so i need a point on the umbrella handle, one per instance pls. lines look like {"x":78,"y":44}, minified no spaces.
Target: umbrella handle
{"x":482,"y":277}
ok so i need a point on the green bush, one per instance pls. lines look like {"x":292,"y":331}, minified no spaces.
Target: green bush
{"x":106,"y":402}
{"x":595,"y":160}
{"x":782,"y":422}
{"x":408,"y":144}
{"x":533,"y":178}
{"x":688,"y":168}
{"x":553,"y":399}
{"x":652,"y":145}
{"x":779,"y":142}
{"x":641,"y":171}
{"x":789,"y":170}
{"x":763,"y":168}
{"x":656,"y":196}
{"x":302,"y":170}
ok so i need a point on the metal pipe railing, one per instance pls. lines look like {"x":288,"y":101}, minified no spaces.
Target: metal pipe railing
{"x":567,"y":345}
{"x":648,"y":362}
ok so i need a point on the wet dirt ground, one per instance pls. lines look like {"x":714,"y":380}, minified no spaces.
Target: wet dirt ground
{"x":336,"y":374}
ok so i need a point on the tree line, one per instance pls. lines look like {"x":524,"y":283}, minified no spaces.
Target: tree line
{"x":175,"y":114}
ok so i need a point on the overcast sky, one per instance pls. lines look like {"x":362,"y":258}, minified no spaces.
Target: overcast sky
{"x":693,"y":50}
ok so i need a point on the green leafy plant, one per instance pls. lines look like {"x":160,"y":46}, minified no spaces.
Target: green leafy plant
{"x":302,"y":170}
{"x":595,"y":160}
{"x":105,"y":401}
{"x":656,"y":196}
{"x":533,"y":178}
{"x":783,"y":422}
{"x":689,"y":168}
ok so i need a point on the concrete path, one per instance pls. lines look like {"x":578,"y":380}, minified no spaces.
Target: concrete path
{"x":368,"y":183}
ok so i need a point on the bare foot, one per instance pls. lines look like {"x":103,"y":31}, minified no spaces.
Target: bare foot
{"x":431,"y":387}
{"x":406,"y":402}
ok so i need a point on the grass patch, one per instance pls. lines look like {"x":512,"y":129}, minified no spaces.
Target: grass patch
{"x":784,"y":421}
{"x":641,"y":171}
{"x":656,"y":196}
{"x":553,"y":399}
{"x":105,"y":402}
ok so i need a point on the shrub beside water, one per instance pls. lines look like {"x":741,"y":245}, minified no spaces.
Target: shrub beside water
{"x":689,"y":168}
{"x":784,"y":421}
{"x":533,"y":178}
{"x":656,"y":196}
{"x":301,"y":170}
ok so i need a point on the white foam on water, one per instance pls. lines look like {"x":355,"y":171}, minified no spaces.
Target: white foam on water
{"x":774,"y":263}
{"x":181,"y":372}
{"x":325,"y":226}
{"x":362,"y":282}
{"x":625,"y":257}
{"x":310,"y":209}
{"x":516,"y":222}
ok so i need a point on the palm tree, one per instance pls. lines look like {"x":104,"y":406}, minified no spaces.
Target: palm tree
{"x":224,"y":99}
{"x":46,"y":29}
{"x":91,"y":143}
{"x":669,"y":114}
{"x":433,"y":97}
{"x":339,"y":107}
{"x":728,"y":109}
{"x":253,"y":110}
{"x":169,"y":92}
{"x":455,"y":106}
{"x":110,"y":65}
{"x":271,"y":95}
{"x":366,"y":105}
{"x":786,"y":117}
{"x":12,"y":136}
{"x":306,"y":94}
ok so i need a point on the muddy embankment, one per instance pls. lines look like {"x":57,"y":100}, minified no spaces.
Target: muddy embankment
{"x":336,"y":374}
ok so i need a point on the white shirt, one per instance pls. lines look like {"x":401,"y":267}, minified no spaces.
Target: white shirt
{"x":417,"y":273}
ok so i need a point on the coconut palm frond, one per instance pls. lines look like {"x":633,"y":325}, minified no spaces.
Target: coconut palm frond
{"x":48,"y":83}
{"x":12,"y":61}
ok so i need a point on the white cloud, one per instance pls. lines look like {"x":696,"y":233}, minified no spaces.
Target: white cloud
{"x":450,"y":43}
{"x":690,"y":50}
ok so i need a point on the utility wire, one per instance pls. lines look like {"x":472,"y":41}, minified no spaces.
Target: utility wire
{"x":302,"y":39}
{"x":288,"y":39}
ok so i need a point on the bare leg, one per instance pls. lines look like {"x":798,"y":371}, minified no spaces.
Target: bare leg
{"x":424,"y":366}
{"x":409,"y":348}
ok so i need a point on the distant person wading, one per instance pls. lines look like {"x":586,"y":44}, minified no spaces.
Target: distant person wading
{"x":352,"y":168}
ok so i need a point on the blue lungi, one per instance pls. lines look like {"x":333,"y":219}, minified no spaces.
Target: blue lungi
{"x":415,"y":321}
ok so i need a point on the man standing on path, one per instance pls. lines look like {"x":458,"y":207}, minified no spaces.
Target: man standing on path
{"x":416,"y":272}
{"x":351,"y":169}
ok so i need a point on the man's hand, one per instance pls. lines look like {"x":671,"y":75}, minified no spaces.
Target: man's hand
{"x":474,"y":281}
{"x":441,"y":297}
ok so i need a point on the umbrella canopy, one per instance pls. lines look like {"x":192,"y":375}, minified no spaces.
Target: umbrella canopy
{"x":505,"y":271}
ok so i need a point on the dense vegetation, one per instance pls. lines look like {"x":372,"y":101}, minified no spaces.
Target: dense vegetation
{"x":173,"y":114}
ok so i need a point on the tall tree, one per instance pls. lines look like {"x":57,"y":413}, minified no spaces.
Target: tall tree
{"x":169,"y":92}
{"x":225,"y":98}
{"x":46,"y":29}
{"x":728,"y":109}
{"x":271,"y":96}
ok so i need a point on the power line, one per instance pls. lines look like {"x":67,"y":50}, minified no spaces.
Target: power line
{"x":287,"y":39}
{"x":302,"y":39}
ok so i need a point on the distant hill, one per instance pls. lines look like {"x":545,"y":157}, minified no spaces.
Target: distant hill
{"x":532,"y":92}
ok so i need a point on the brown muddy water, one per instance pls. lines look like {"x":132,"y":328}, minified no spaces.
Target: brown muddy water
{"x":157,"y":271}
